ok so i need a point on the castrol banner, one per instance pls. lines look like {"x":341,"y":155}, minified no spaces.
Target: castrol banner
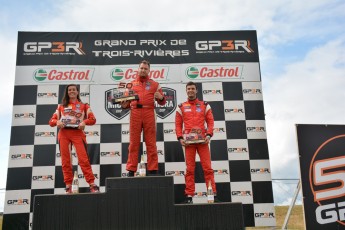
{"x":322,"y":162}
{"x":28,"y":75}
{"x":225,"y":72}
{"x":221,"y":72}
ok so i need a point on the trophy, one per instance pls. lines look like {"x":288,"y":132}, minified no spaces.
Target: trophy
{"x":123,"y":94}
{"x":70,"y":122}
{"x":194,"y":137}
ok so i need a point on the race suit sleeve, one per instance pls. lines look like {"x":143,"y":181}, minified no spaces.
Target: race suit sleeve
{"x":90,"y":118}
{"x":55,"y":117}
{"x":209,"y":120}
{"x":178,"y":123}
{"x":163,"y":101}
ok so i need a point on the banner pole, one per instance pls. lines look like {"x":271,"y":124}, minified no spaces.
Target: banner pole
{"x":287,"y":217}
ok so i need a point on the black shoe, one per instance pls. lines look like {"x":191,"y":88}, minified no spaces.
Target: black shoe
{"x":216,"y":200}
{"x":152,"y":173}
{"x":130,"y":174}
{"x":188,"y":200}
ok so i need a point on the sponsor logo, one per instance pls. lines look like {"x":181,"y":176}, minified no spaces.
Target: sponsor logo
{"x":169,"y":131}
{"x":42,"y":178}
{"x":163,"y":111}
{"x":73,"y":154}
{"x":84,"y":94}
{"x":200,"y":194}
{"x":219,"y":130}
{"x":212,"y":92}
{"x":220,"y":172}
{"x":53,"y":48}
{"x":115,"y":110}
{"x":125,"y":132}
{"x":251,"y":91}
{"x":122,"y":73}
{"x":46,"y":95}
{"x":110,"y":154}
{"x":117,"y":74}
{"x":18,"y":202}
{"x":264,"y":215}
{"x":237,"y":150}
{"x":214,"y":72}
{"x":256,"y":129}
{"x":45,"y":134}
{"x":327,"y":179}
{"x":234,"y":110}
{"x":81,"y":176}
{"x":260,"y":171}
{"x":48,"y":75}
{"x":223,"y":46}
{"x":159,"y":152}
{"x":174,"y":173}
{"x":192,"y":72}
{"x":21,"y":156}
{"x":92,"y":133}
{"x":24,"y":115}
{"x":241,"y":193}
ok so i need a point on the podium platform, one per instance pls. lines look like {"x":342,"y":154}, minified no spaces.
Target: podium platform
{"x":132,"y":203}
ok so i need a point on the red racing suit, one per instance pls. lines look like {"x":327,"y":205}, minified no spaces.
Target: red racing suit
{"x":75,"y":113}
{"x":190,"y":115}
{"x":143,"y":117}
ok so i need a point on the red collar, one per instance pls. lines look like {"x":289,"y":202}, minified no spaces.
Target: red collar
{"x":193,"y":101}
{"x":142,"y":80}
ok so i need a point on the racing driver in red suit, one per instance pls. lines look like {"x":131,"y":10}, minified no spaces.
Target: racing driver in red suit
{"x":143,"y":117}
{"x":191,"y":116}
{"x":71,"y":117}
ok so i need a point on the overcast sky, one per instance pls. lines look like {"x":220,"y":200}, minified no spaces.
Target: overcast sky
{"x":301,"y":50}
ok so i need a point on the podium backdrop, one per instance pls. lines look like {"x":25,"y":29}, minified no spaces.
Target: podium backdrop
{"x":225,"y":64}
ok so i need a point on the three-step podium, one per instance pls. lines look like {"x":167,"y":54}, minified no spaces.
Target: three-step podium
{"x":136,"y":203}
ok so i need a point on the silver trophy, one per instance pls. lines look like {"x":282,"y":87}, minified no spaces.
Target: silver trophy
{"x":125,"y":94}
{"x":70,"y":122}
{"x":195,"y":136}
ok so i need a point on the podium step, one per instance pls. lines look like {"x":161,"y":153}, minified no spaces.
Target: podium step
{"x":224,"y":216}
{"x":136,"y":203}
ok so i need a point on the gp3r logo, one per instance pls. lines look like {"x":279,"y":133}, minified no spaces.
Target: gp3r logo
{"x":224,"y":45}
{"x":53,"y":47}
{"x":327,"y":181}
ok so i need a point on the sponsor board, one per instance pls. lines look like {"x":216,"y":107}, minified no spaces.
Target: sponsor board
{"x":322,"y":162}
{"x":221,"y":72}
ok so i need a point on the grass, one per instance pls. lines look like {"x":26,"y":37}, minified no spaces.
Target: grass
{"x":295,"y":222}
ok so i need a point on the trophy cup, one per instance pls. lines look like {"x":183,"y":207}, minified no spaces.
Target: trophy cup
{"x":194,"y":137}
{"x":123,"y":94}
{"x":70,"y":122}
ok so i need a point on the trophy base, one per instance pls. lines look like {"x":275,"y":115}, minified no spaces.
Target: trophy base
{"x":121,"y":99}
{"x":71,"y":126}
{"x":195,"y":142}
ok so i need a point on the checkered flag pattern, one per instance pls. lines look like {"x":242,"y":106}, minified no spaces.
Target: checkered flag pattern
{"x":239,"y":150}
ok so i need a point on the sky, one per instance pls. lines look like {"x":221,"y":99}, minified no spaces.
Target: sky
{"x":301,"y":51}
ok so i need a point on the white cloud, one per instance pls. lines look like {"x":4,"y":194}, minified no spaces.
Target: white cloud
{"x":8,"y":66}
{"x":307,"y":92}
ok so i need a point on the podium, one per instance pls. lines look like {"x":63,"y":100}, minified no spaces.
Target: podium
{"x":132,"y":203}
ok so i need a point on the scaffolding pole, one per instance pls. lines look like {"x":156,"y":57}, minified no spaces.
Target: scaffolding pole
{"x":287,"y":217}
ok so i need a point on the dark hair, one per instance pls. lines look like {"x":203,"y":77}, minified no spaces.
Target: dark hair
{"x":65,"y":98}
{"x":144,"y":62}
{"x":191,"y":83}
